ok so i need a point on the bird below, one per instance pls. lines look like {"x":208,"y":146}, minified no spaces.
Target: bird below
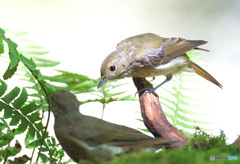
{"x":149,"y":55}
{"x":88,"y":138}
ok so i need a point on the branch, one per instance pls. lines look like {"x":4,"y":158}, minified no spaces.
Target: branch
{"x":153,"y":116}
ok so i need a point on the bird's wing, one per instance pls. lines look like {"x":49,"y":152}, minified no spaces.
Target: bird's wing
{"x":95,"y":131}
{"x":178,"y":46}
{"x":170,"y":49}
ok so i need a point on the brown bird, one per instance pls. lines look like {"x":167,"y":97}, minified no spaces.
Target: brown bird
{"x":149,"y":55}
{"x":88,"y":138}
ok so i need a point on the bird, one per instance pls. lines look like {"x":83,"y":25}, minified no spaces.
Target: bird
{"x":84,"y":137}
{"x":149,"y":55}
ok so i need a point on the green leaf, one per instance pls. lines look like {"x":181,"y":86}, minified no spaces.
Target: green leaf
{"x":39,"y":126}
{"x":30,"y":135}
{"x":9,"y":72}
{"x":2,"y":32}
{"x":11,"y":95}
{"x":128,"y":97}
{"x":13,"y":55}
{"x":34,"y":144}
{"x":44,"y":158}
{"x":181,"y":123}
{"x":21,"y":99}
{"x":22,"y":127}
{"x":29,"y":108}
{"x":3,"y":87}
{"x":29,"y":63}
{"x":18,"y":33}
{"x":52,"y":151}
{"x":187,"y":119}
{"x":41,"y":62}
{"x":60,"y":153}
{"x":2,"y":104}
{"x":32,"y":52}
{"x":15,"y":119}
{"x":34,"y":117}
{"x":14,"y":59}
{"x":7,"y":111}
{"x":53,"y":141}
{"x":1,"y":46}
{"x":145,"y":130}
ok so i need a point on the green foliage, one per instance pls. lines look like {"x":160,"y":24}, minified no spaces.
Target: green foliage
{"x":26,"y":111}
{"x":203,"y":141}
{"x":82,"y":84}
{"x":19,"y":108}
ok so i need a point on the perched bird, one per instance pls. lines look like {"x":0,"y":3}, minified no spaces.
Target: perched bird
{"x":149,"y":55}
{"x":88,"y":138}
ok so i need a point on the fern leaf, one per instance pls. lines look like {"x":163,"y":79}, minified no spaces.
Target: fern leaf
{"x":34,"y":144}
{"x":22,"y":127}
{"x":32,"y":52}
{"x":41,"y":62}
{"x":1,"y":45}
{"x":128,"y":97}
{"x":21,"y":99}
{"x":44,"y":158}
{"x":7,"y":111}
{"x":29,"y":63}
{"x":9,"y":72}
{"x":14,"y":59}
{"x":29,"y":108}
{"x":39,"y":126}
{"x":34,"y":117}
{"x":187,"y":119}
{"x":3,"y":87}
{"x":30,"y":135}
{"x":15,"y":119}
{"x":11,"y":95}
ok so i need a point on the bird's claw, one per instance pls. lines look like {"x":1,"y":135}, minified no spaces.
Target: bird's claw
{"x":150,"y":90}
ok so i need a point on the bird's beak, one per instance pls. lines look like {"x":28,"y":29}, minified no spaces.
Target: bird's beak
{"x":102,"y":81}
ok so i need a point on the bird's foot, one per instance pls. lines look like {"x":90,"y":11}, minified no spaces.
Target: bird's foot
{"x":150,"y":90}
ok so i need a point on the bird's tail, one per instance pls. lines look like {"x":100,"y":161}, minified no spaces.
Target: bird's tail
{"x":204,"y":74}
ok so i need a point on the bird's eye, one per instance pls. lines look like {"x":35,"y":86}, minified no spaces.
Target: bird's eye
{"x":112,"y":68}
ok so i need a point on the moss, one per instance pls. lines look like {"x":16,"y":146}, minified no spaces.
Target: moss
{"x":197,"y":150}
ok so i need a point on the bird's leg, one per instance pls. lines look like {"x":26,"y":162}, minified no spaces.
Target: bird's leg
{"x":168,"y":78}
{"x":152,"y":90}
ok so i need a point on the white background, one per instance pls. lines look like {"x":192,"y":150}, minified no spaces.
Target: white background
{"x":81,"y":33}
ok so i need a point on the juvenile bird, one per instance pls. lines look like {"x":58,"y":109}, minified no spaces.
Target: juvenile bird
{"x":149,"y":55}
{"x":88,"y":138}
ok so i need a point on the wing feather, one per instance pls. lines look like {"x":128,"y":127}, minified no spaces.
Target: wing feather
{"x":170,"y":49}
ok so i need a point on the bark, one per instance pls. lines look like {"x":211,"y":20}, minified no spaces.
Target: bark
{"x":237,"y":141}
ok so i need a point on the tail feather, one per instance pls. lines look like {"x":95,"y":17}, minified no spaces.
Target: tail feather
{"x":204,"y":74}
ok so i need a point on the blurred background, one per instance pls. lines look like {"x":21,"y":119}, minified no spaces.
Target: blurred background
{"x":81,"y":33}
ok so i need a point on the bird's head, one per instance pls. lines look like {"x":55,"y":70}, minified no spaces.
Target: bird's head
{"x":120,"y":63}
{"x":110,"y":68}
{"x":63,"y":102}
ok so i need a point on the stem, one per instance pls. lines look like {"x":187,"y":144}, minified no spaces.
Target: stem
{"x":32,"y":155}
{"x":45,"y":130}
{"x":6,"y":157}
{"x":7,"y":152}
{"x":21,"y":116}
{"x":49,"y":110}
